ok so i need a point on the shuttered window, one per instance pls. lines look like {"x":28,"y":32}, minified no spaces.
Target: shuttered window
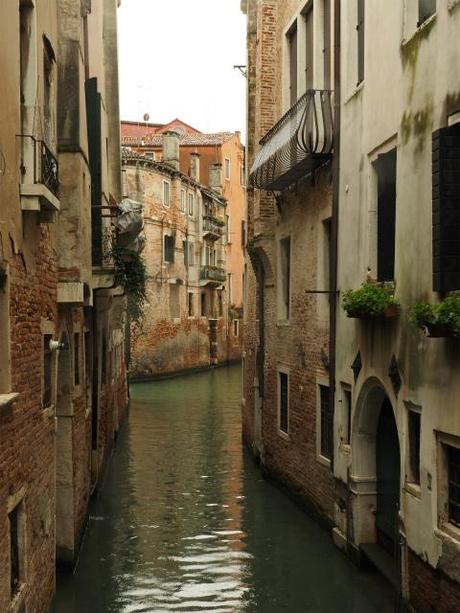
{"x":169,"y":244}
{"x":446,"y":209}
{"x":292,"y":50}
{"x":386,"y":216}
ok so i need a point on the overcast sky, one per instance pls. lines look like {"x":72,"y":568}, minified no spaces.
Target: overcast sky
{"x":177,"y":58}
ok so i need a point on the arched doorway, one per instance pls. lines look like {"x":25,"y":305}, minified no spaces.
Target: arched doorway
{"x":388,"y":463}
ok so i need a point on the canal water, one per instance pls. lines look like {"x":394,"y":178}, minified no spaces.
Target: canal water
{"x":185,"y":522}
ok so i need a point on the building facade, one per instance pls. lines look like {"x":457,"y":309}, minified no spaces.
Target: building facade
{"x":390,"y":487}
{"x":214,"y":161}
{"x":286,"y":403}
{"x":56,"y":300}
{"x":397,"y":428}
{"x":186,"y":323}
{"x":223,"y":149}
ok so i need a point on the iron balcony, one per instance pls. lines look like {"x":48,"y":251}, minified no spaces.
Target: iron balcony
{"x":301,"y":141}
{"x":212,"y":227}
{"x":212,"y":274}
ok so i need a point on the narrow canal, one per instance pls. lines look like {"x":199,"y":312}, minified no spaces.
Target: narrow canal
{"x":184,"y":521}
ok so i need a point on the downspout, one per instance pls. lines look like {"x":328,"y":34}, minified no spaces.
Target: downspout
{"x":335,"y":218}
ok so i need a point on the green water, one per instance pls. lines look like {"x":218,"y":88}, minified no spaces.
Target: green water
{"x":185,"y":522}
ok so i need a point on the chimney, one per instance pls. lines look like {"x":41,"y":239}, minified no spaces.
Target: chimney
{"x":171,"y":149}
{"x":195,"y":166}
{"x":215,"y":178}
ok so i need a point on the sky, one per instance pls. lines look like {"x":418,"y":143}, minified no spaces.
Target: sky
{"x":176,"y":59}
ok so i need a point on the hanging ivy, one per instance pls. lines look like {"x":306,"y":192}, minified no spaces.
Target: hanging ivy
{"x":131,"y":274}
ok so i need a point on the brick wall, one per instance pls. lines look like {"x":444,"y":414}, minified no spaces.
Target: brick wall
{"x":430,"y":589}
{"x":26,"y":430}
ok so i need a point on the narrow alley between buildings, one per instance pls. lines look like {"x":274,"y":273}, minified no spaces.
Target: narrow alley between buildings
{"x":184,"y":521}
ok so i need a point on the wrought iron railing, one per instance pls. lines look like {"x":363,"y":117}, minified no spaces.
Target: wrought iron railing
{"x":39,"y":165}
{"x":213,"y":224}
{"x":212,"y":273}
{"x":301,"y":141}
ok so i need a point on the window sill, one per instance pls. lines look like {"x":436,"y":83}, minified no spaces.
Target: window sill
{"x":452,"y":5}
{"x":284,"y":435}
{"x":323,"y":460}
{"x":345,"y":448}
{"x":414,"y":490}
{"x":7,"y":400}
{"x":448,"y":531}
{"x":18,"y":599}
{"x":355,"y":92}
{"x":48,"y":412}
{"x":420,"y":31}
{"x":283,"y":324}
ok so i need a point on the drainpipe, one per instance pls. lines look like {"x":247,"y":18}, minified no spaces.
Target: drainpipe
{"x":335,"y":217}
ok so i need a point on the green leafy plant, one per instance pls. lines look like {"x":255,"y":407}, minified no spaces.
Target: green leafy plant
{"x":131,"y":274}
{"x":445,"y":315}
{"x":370,"y":300}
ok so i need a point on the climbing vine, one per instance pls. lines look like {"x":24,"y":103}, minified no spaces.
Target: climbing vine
{"x":131,"y":274}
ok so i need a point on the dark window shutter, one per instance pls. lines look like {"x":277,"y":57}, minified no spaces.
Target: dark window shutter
{"x":169,"y":248}
{"x":446,"y":209}
{"x":386,"y":216}
{"x":185,"y":247}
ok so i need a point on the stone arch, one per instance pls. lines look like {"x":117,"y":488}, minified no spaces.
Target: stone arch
{"x":371,"y":399}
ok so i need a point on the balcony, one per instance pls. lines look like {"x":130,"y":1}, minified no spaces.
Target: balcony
{"x":300,"y":142}
{"x":40,"y":176}
{"x":212,"y":275}
{"x":212,"y":227}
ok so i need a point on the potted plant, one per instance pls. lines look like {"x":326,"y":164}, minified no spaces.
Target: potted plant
{"x":371,"y":300}
{"x":438,"y":320}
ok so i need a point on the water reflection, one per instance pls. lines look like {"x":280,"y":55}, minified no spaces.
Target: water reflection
{"x":184,"y":521}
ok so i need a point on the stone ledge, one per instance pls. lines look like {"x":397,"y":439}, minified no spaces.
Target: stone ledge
{"x":6,"y":400}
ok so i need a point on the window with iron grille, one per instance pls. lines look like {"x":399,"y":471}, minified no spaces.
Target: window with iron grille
{"x":426,"y":8}
{"x":283,"y":382}
{"x":453,"y":471}
{"x":414,"y":446}
{"x":203,"y":305}
{"x":47,"y":370}
{"x":326,"y":423}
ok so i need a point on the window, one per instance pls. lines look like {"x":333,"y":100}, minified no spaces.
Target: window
{"x":166,"y":193}
{"x":242,"y":175}
{"x":426,"y":8}
{"x":227,"y":228}
{"x":15,"y":518}
{"x":324,"y":283}
{"x":327,"y":55}
{"x":326,"y":439}
{"x":243,"y":233}
{"x":203,"y":304}
{"x":283,"y":399}
{"x":76,"y":355}
{"x":210,"y":256}
{"x":190,"y":304}
{"x":191,"y":258}
{"x":284,"y":281}
{"x":292,"y":64}
{"x":221,"y":304}
{"x":48,"y":60}
{"x":174,"y":301}
{"x":453,"y":477}
{"x":386,"y":215}
{"x":360,"y":29}
{"x":227,"y":168}
{"x":236,"y":327}
{"x":230,"y":287}
{"x":47,"y":370}
{"x":446,"y":212}
{"x":346,"y":412}
{"x":169,"y":248}
{"x":26,"y":50}
{"x":414,"y":446}
{"x":182,"y":200}
{"x":308,"y":25}
{"x":191,"y":204}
